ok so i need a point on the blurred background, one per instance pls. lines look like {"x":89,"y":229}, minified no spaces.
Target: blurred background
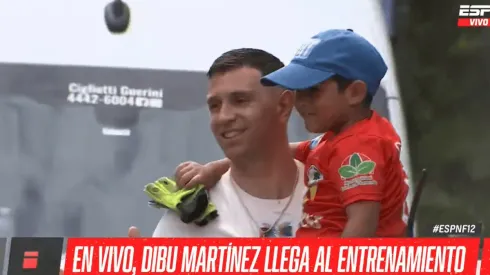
{"x":443,"y":73}
{"x":75,"y":168}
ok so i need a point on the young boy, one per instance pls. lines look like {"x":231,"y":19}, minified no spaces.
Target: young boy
{"x":356,"y":183}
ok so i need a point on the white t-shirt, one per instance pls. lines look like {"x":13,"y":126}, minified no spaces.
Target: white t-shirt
{"x":234,"y":221}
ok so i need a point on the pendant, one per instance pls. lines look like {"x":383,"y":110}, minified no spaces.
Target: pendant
{"x":264,"y":231}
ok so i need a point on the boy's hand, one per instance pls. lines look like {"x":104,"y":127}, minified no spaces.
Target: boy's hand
{"x":190,"y":174}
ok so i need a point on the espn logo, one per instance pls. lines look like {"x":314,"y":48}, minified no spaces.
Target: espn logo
{"x":30,"y":260}
{"x":34,"y":256}
{"x":474,"y":16}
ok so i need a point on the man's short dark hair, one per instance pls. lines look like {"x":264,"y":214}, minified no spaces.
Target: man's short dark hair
{"x":257,"y":59}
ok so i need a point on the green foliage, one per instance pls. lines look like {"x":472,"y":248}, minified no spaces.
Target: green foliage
{"x":444,"y":75}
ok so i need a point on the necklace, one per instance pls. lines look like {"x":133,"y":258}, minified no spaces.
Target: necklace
{"x":283,"y":211}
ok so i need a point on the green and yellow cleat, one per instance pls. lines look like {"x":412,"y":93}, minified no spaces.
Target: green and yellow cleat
{"x":209,"y":214}
{"x":192,"y":205}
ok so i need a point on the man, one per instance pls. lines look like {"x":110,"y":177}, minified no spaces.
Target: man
{"x":357,"y":185}
{"x":259,"y":195}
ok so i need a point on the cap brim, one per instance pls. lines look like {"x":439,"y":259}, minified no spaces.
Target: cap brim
{"x":296,"y":77}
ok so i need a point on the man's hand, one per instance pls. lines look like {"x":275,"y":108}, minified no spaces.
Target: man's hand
{"x":134,"y":232}
{"x":189,"y":174}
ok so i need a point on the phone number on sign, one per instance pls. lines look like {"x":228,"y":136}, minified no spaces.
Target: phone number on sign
{"x":117,"y":100}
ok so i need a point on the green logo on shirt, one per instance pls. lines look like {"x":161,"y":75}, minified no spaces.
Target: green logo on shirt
{"x":355,"y":165}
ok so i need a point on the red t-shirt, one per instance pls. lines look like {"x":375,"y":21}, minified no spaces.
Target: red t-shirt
{"x":360,"y":164}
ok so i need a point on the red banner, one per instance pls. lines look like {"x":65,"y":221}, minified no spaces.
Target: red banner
{"x":244,"y":256}
{"x":485,"y":259}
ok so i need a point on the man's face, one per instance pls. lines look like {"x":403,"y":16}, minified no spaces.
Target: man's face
{"x":243,"y":112}
{"x":322,"y":107}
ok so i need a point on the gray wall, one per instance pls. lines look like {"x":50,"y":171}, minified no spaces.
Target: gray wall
{"x":62,"y":177}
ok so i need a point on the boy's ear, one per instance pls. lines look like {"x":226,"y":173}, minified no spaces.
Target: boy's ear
{"x":356,"y":92}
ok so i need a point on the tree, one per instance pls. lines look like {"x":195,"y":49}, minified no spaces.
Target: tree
{"x":444,"y":76}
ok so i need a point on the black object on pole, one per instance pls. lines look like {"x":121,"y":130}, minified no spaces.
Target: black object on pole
{"x":415,"y":202}
{"x":117,"y":16}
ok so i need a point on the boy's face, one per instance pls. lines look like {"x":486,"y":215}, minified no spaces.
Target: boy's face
{"x":322,"y":107}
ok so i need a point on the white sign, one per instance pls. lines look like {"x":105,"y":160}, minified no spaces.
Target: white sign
{"x":114,"y":95}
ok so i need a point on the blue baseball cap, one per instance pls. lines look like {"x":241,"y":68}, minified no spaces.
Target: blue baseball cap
{"x":329,"y":53}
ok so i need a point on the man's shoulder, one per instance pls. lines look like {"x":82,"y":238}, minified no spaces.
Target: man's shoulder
{"x":170,"y":225}
{"x":299,"y":164}
{"x":222,"y":187}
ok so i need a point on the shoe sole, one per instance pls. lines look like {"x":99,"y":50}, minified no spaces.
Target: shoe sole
{"x":192,"y":208}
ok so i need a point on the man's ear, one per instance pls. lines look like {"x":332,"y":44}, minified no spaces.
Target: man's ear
{"x":286,"y":104}
{"x":356,"y":92}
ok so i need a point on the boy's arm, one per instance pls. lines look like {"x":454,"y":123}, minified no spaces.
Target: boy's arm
{"x":219,"y":167}
{"x":189,"y":174}
{"x":300,"y":150}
